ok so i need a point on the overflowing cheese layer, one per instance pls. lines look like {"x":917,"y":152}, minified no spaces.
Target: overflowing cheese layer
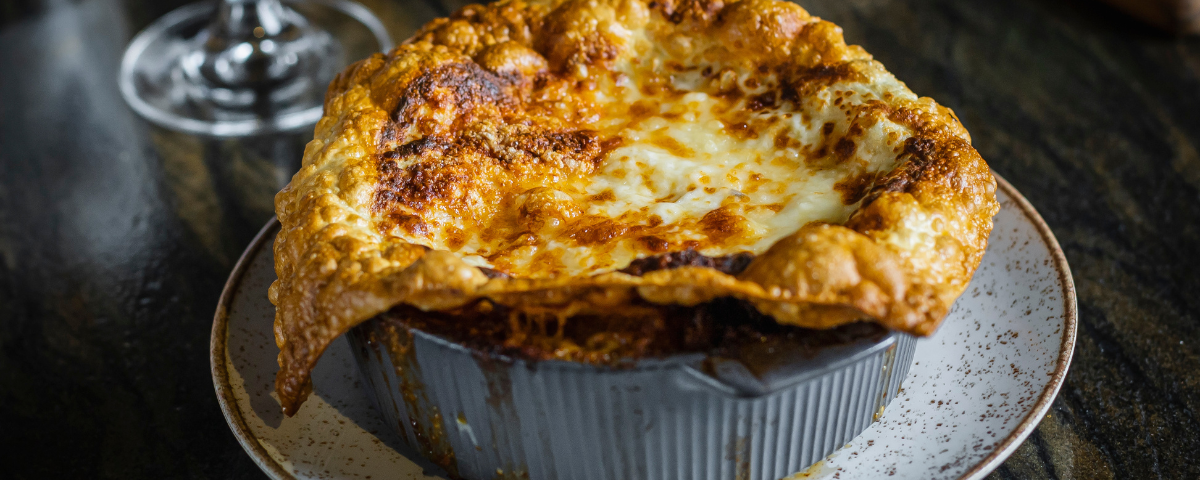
{"x":707,"y":159}
{"x":558,"y":140}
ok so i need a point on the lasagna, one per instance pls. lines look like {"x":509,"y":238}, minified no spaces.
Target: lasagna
{"x":554,"y":159}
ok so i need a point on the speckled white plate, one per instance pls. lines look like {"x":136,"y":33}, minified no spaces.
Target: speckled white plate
{"x":977,"y":389}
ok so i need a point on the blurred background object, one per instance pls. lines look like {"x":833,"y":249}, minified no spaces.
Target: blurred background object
{"x":1175,"y":16}
{"x":245,"y":67}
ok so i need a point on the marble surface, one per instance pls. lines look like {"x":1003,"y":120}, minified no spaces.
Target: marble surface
{"x":116,"y":237}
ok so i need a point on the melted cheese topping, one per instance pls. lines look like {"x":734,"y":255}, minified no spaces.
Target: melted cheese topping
{"x":698,"y":167}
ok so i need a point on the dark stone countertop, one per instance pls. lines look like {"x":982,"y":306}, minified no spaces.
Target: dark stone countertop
{"x":116,"y":237}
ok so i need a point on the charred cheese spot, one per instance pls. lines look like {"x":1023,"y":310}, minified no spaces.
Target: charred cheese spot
{"x":855,"y":188}
{"x":455,"y":237}
{"x":844,"y":148}
{"x":655,"y":244}
{"x":595,"y":230}
{"x":445,"y":99}
{"x":722,"y":225}
{"x":410,"y":224}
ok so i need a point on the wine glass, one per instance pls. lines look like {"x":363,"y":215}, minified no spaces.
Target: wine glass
{"x":245,"y":67}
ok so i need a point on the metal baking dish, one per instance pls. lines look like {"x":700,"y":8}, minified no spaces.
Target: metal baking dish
{"x":687,"y":416}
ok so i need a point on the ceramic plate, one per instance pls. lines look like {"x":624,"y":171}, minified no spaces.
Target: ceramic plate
{"x":977,"y":389}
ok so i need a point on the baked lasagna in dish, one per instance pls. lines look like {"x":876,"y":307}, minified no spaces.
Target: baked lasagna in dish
{"x":563,"y":161}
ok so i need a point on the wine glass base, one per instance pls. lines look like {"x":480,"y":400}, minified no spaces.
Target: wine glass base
{"x":155,"y":80}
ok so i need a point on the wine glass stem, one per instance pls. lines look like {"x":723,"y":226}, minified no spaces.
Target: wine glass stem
{"x":243,"y":18}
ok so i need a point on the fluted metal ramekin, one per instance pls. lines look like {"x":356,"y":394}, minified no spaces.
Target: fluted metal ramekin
{"x":487,"y":417}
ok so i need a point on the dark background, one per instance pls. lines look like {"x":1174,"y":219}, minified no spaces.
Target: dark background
{"x":116,"y":237}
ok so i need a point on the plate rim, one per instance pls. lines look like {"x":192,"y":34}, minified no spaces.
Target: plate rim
{"x":258,"y":453}
{"x":1066,"y":346}
{"x":217,"y":360}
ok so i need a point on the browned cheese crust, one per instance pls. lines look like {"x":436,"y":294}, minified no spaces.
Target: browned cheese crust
{"x":472,"y":145}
